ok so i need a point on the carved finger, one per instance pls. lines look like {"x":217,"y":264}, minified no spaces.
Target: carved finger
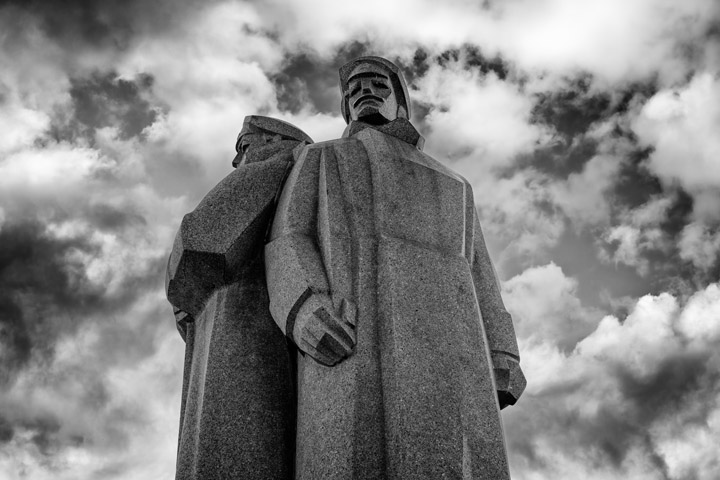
{"x":341,"y":336}
{"x":319,"y":356}
{"x":320,"y":345}
{"x":330,"y":345}
{"x":312,"y":334}
{"x":349,"y":312}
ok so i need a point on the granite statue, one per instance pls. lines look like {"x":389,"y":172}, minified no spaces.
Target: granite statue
{"x":238,"y":402}
{"x":378,"y":272}
{"x":370,"y":340}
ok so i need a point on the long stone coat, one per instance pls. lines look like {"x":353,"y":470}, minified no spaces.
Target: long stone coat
{"x":372,"y":219}
{"x":238,"y":403}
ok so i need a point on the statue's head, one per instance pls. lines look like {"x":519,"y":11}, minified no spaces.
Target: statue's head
{"x":258,"y":131}
{"x":373,"y":91}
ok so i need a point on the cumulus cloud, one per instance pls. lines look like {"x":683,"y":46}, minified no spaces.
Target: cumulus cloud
{"x":681,"y":125}
{"x":636,"y":398}
{"x":83,"y":416}
{"x":545,"y":308}
{"x":699,"y":245}
{"x":612,"y":40}
{"x":582,"y":196}
{"x":477,"y":116}
{"x":638,"y":232}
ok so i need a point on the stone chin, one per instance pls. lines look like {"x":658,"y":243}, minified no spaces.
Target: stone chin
{"x":372,"y":113}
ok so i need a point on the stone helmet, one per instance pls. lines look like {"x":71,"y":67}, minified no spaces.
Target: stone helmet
{"x":396,"y":78}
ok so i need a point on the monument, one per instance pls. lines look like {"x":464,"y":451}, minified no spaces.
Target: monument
{"x":370,"y":341}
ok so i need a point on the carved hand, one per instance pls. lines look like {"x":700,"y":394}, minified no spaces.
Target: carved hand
{"x":181,"y":320}
{"x":321,"y":333}
{"x":509,"y":378}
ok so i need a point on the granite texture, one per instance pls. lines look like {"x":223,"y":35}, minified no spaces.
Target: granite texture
{"x":258,"y":129}
{"x":372,"y":221}
{"x":239,"y":396}
{"x":370,"y":67}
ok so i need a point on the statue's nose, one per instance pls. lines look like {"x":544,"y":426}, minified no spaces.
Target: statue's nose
{"x":366,"y":87}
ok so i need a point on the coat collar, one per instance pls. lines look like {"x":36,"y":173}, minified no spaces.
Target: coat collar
{"x":399,"y":128}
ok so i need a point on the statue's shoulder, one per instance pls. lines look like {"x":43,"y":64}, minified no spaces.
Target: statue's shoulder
{"x":334,"y":143}
{"x":428,"y":161}
{"x":312,"y":152}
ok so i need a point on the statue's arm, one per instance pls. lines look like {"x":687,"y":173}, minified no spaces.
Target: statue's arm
{"x":499,"y":329}
{"x":298,"y":287}
{"x":217,"y":239}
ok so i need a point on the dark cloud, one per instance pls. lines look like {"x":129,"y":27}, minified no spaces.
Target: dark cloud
{"x":570,"y":112}
{"x":679,"y":383}
{"x":682,"y":385}
{"x":304,"y":80}
{"x":678,"y":214}
{"x":34,"y":285}
{"x":45,"y":429}
{"x":103,"y":24}
{"x":417,"y":68}
{"x":676,"y":382}
{"x":635,"y":185}
{"x":413,"y":71}
{"x":110,"y":218}
{"x":45,"y":296}
{"x":308,"y":80}
{"x":104,"y":100}
{"x":52,"y":431}
{"x":598,"y":283}
{"x":6,"y":430}
{"x":572,"y":109}
{"x":558,"y":159}
{"x":473,"y":58}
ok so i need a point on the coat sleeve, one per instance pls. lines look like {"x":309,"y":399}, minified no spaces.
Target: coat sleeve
{"x":293,"y":262}
{"x":497,"y":321}
{"x":228,"y":227}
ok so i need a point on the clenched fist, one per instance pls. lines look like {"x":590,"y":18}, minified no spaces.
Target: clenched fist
{"x":509,"y":378}
{"x":322,"y":333}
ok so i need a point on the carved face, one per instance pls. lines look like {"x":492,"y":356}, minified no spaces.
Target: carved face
{"x":371,"y":96}
{"x":248,"y":141}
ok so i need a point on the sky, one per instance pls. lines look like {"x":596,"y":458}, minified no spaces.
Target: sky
{"x":590,"y":132}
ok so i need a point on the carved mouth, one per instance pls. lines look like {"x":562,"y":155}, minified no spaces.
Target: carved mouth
{"x":365,"y":98}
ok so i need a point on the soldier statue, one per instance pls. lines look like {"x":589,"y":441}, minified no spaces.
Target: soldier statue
{"x":376,"y":272}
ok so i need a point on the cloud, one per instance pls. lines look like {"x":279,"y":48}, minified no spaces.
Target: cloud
{"x":81,"y":414}
{"x":582,"y":197}
{"x":478,"y":116}
{"x":614,"y":41}
{"x":34,"y":288}
{"x":639,"y":232}
{"x":545,"y":307}
{"x":637,"y":397}
{"x":699,"y":245}
{"x":681,"y":125}
{"x":611,"y":40}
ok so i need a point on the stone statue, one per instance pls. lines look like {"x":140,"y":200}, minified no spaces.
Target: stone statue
{"x":377,"y":270}
{"x":378,"y":275}
{"x":238,"y":405}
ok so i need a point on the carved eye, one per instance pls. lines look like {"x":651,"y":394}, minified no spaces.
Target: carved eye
{"x":380,"y":84}
{"x":355,"y":90}
{"x":244,"y":147}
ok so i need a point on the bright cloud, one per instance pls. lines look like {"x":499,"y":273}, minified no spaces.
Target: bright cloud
{"x":628,"y":376}
{"x":682,"y":127}
{"x":478,"y":116}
